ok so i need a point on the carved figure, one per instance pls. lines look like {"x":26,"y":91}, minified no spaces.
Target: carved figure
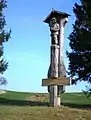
{"x":54,"y":28}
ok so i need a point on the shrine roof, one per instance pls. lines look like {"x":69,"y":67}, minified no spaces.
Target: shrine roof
{"x":55,"y":13}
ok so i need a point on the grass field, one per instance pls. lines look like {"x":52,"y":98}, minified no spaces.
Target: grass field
{"x":35,"y":106}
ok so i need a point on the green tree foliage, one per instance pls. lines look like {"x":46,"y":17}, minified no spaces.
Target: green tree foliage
{"x":80,"y":43}
{"x":4,"y":36}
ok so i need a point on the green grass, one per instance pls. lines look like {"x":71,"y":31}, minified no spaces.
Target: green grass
{"x":34,"y":106}
{"x":76,"y":98}
{"x":15,"y":95}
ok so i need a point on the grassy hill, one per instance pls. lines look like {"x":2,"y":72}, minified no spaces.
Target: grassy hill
{"x":35,"y":106}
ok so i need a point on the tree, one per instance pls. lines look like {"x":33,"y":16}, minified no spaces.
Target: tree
{"x":4,"y":36}
{"x":80,"y":43}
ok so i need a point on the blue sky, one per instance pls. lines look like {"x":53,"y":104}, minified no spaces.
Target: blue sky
{"x":28,"y":50}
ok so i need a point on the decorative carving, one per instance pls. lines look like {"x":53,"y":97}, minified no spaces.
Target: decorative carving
{"x":54,"y":63}
{"x":54,"y":28}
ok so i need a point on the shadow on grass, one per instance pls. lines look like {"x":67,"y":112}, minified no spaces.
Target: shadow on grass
{"x":12,"y":102}
{"x":4,"y":101}
{"x":79,"y":106}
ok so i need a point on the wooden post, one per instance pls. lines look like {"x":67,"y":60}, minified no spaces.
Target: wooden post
{"x":54,"y":73}
{"x":54,"y":83}
{"x":56,"y":21}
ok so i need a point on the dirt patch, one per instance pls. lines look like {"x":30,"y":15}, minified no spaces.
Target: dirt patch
{"x":38,"y":97}
{"x":2,"y":91}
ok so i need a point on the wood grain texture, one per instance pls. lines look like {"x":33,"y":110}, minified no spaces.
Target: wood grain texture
{"x":56,"y":81}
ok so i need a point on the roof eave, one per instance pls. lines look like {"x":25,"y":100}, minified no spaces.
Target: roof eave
{"x":61,"y":14}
